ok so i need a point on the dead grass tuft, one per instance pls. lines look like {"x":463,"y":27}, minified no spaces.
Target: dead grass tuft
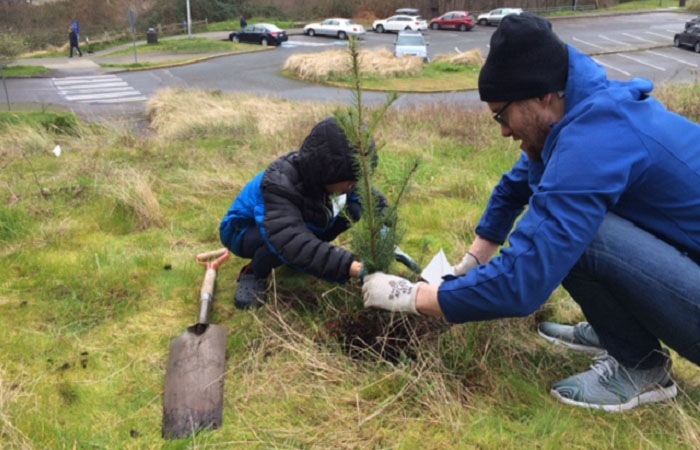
{"x":10,"y":434}
{"x":336,"y":64}
{"x":683,"y":100}
{"x":470,"y":58}
{"x":132,"y":190}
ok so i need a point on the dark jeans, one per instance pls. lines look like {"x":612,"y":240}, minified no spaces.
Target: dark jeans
{"x":635,"y":290}
{"x":75,"y":46}
{"x":253,"y":246}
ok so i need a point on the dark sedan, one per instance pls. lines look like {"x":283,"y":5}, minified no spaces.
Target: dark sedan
{"x":689,"y":38}
{"x":261,"y":33}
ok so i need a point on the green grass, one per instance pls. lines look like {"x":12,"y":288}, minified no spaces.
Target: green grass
{"x":97,"y":277}
{"x":194,"y":45}
{"x":640,"y":5}
{"x":24,"y":71}
{"x":233,"y":25}
{"x":435,"y":77}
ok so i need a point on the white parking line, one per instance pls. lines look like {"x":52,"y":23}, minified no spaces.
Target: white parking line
{"x":97,"y":89}
{"x":587,"y":43}
{"x":612,"y":67}
{"x":673,"y":58}
{"x":641,"y":62}
{"x":657,"y":34}
{"x":140,"y":98}
{"x":307,"y":44}
{"x":65,"y":87}
{"x":92,"y":90}
{"x":639,"y":39}
{"x":613,"y":40}
{"x":71,"y":80}
{"x":101,"y":96}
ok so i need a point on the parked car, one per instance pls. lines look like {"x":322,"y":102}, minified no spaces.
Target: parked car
{"x":494,"y":16}
{"x":455,"y":20}
{"x":400,"y":22}
{"x":341,"y":28}
{"x":692,"y":22}
{"x":260,"y":33}
{"x":411,"y":43}
{"x":689,"y":38}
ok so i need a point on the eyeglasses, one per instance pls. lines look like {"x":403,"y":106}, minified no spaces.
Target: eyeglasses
{"x":498,"y":117}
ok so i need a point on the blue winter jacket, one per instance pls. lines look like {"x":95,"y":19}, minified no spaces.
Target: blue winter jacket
{"x":616,"y":149}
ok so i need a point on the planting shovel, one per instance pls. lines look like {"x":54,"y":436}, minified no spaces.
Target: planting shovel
{"x":194,"y":382}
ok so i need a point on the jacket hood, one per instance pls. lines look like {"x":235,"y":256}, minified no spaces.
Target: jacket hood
{"x":586,"y":78}
{"x":326,"y":157}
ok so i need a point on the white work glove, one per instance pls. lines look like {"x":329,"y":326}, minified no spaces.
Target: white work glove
{"x":390,"y":292}
{"x":466,"y":264}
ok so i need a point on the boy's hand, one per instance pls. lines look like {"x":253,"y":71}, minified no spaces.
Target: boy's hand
{"x":356,"y":269}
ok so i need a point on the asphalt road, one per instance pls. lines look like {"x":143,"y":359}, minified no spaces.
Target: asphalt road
{"x":627,"y":46}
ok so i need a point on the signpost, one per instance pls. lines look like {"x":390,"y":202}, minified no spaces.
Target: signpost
{"x":2,"y":71}
{"x":131,"y":15}
{"x":189,"y":21}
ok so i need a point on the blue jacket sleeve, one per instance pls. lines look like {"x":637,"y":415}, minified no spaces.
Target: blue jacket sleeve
{"x":507,"y":202}
{"x":585,"y":177}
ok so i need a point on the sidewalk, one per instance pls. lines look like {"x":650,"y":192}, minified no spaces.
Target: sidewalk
{"x":90,"y":62}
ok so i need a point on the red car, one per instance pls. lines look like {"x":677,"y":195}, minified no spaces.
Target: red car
{"x":455,"y":20}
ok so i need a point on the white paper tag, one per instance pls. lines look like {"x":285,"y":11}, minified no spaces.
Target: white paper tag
{"x":438,"y":267}
{"x":57,"y":151}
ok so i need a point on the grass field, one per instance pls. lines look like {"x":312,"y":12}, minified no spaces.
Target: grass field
{"x":194,"y":45}
{"x":24,"y":71}
{"x":98,"y":276}
{"x":233,"y":25}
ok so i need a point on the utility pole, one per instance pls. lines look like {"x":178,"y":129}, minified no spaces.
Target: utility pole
{"x":189,"y":21}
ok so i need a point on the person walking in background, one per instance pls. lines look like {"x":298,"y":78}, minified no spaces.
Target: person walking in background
{"x":243,"y":22}
{"x":73,"y":39}
{"x":611,"y":182}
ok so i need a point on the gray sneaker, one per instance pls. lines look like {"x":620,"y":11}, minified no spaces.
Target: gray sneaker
{"x":580,"y":337}
{"x":612,"y":387}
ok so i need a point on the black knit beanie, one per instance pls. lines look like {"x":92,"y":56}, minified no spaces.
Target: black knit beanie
{"x":526,"y":60}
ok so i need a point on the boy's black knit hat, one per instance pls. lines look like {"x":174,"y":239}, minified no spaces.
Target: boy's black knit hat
{"x":526,"y":60}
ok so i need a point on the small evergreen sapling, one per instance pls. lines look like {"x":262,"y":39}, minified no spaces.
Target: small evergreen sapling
{"x":376,"y":235}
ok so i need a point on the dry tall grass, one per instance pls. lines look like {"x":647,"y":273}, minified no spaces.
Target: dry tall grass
{"x":133,"y":191}
{"x":336,"y":63}
{"x":180,"y":115}
{"x":470,"y":58}
{"x":10,"y":435}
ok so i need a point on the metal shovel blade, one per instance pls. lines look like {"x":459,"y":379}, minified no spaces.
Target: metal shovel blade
{"x":194,"y":382}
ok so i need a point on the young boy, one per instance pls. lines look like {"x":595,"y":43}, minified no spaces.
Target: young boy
{"x":285,"y":215}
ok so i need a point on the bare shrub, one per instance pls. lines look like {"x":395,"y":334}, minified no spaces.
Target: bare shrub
{"x":335,"y":63}
{"x":470,"y":58}
{"x":11,"y":46}
{"x":693,"y":6}
{"x":132,"y":190}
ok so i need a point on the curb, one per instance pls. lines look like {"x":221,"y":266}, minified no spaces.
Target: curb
{"x":182,"y":63}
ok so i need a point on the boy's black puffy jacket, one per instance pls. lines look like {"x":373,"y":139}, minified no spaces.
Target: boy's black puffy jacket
{"x":288,"y":202}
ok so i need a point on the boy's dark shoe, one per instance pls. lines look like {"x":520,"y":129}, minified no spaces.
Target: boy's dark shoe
{"x":251,"y":290}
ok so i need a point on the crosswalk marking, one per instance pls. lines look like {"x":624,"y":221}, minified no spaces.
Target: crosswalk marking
{"x":97,"y":89}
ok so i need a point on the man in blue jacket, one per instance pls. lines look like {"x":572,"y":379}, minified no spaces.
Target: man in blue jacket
{"x":611,"y":182}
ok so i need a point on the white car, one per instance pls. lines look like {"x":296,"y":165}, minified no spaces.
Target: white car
{"x":340,"y":28}
{"x":494,"y":17}
{"x":399,"y":23}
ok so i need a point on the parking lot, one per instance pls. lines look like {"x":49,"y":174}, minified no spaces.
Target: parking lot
{"x":627,"y":46}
